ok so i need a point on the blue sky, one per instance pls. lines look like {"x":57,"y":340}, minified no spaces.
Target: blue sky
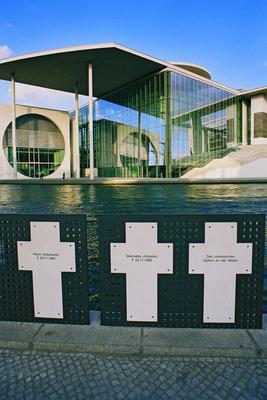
{"x":227,"y":37}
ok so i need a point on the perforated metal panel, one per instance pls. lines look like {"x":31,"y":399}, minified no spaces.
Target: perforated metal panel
{"x":180,"y":296}
{"x":16,"y":287}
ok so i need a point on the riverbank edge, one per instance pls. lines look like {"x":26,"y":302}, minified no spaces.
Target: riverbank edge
{"x":132,"y":181}
{"x":94,"y":338}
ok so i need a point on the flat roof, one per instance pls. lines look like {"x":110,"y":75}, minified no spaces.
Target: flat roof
{"x":197,"y":69}
{"x":114,"y":66}
{"x":254,"y":92}
{"x":61,"y":69}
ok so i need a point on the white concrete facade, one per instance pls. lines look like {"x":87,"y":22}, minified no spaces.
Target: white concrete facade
{"x":253,"y":169}
{"x":247,"y":162}
{"x":60,"y":118}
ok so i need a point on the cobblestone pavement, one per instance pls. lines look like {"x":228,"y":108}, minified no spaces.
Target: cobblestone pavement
{"x":51,"y":376}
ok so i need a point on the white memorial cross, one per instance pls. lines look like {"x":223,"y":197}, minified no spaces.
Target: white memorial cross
{"x":142,"y":258}
{"x":220,"y":259}
{"x":47,"y":258}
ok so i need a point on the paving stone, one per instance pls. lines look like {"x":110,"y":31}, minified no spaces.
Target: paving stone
{"x":51,"y":376}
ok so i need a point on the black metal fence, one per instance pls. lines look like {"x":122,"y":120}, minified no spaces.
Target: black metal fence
{"x":180,"y":296}
{"x":16,"y":286}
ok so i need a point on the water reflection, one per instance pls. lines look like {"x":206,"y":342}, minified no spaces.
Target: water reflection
{"x":143,"y":199}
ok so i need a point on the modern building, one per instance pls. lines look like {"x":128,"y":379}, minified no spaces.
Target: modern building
{"x":145,"y":118}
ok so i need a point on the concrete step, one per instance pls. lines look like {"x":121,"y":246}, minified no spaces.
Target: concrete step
{"x":134,"y":340}
{"x":249,"y":161}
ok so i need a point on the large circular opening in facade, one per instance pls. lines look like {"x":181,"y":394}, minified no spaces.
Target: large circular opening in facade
{"x":40,"y":145}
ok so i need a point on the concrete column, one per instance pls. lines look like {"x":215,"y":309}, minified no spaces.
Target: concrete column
{"x":14,"y":144}
{"x":90,"y":119}
{"x":139,"y":142}
{"x":75,"y":138}
{"x":168,"y":124}
{"x":232,"y":125}
{"x":258,"y":119}
{"x":244,"y":124}
{"x":197,"y":134}
{"x":118,"y":164}
{"x":190,"y":140}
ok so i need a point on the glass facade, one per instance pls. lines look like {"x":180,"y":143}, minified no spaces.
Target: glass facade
{"x":161,"y":126}
{"x":206,"y":123}
{"x":40,"y":145}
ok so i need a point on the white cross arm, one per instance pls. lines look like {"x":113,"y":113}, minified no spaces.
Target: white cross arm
{"x":45,"y":249}
{"x":125,"y":259}
{"x":238,"y":258}
{"x":220,"y":250}
{"x":61,"y":257}
{"x":141,"y":250}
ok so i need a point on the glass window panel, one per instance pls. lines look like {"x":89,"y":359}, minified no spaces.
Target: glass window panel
{"x":167,"y":119}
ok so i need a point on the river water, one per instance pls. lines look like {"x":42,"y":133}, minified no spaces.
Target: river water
{"x":95,"y":200}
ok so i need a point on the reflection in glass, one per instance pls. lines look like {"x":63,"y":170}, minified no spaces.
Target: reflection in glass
{"x":161,"y":126}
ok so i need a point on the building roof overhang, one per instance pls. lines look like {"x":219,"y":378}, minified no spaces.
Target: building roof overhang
{"x":62,"y":69}
{"x":254,"y":92}
{"x":114,"y":66}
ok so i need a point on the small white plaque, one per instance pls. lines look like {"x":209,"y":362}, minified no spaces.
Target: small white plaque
{"x":220,"y":259}
{"x":142,"y":258}
{"x":47,"y":258}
